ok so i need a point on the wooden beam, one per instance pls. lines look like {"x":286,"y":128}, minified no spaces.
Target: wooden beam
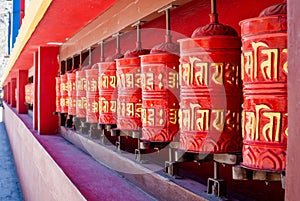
{"x":119,"y":17}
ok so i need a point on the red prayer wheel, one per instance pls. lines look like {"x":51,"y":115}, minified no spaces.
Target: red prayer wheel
{"x":211,"y":90}
{"x":58,"y":96}
{"x":129,"y":93}
{"x":92,"y":95}
{"x":64,"y":94}
{"x":160,"y":96}
{"x":71,"y":82}
{"x":265,"y":70}
{"x":28,"y":93}
{"x":81,"y":87}
{"x":108,"y":94}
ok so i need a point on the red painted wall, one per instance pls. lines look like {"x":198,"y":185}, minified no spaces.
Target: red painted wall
{"x":185,"y":19}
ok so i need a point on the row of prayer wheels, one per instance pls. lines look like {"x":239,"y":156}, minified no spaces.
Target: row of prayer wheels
{"x":214,"y":97}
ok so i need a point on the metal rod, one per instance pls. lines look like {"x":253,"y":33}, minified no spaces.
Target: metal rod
{"x":90,"y":56}
{"x":213,"y":7}
{"x":80,"y":59}
{"x":214,"y":14}
{"x":102,"y":51}
{"x":73,"y":63}
{"x":138,"y":36}
{"x":118,"y":49}
{"x":168,"y":37}
{"x":168,"y":22}
{"x":216,"y":170}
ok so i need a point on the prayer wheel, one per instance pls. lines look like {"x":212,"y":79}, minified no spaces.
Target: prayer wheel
{"x":71,"y":82}
{"x":92,"y":95}
{"x":265,"y":70}
{"x":129,"y":89}
{"x":29,"y":93}
{"x":64,"y":94}
{"x":57,"y":92}
{"x":108,"y":92}
{"x":81,"y":87}
{"x":211,"y":90}
{"x":160,"y":96}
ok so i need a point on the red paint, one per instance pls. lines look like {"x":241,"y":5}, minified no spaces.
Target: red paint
{"x":92,"y":95}
{"x":160,"y":97}
{"x":211,"y":95}
{"x":108,"y":93}
{"x":265,"y":117}
{"x":47,"y":71}
{"x":13,"y":92}
{"x":129,"y":93}
{"x":71,"y":89}
{"x":22,"y":11}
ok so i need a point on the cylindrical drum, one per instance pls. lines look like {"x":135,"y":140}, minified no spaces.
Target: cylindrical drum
{"x":129,"y":93}
{"x":265,"y":70}
{"x":81,"y":88}
{"x":64,"y":94}
{"x":57,"y":92}
{"x":71,"y":93}
{"x":108,"y":93}
{"x":160,"y":97}
{"x":210,"y":94}
{"x":92,"y":95}
{"x":28,"y":93}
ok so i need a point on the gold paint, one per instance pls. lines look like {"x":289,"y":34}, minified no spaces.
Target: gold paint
{"x":269,"y":67}
{"x":192,"y":118}
{"x":203,"y":121}
{"x":95,"y":107}
{"x":138,"y":79}
{"x":285,"y":65}
{"x":250,"y":125}
{"x":201,"y":73}
{"x":258,"y":108}
{"x":130,"y":109}
{"x":219,"y":121}
{"x":217,"y":76}
{"x":113,"y":81}
{"x":173,"y":80}
{"x":173,"y":116}
{"x":268,"y":129}
{"x":149,"y":81}
{"x":113,"y":106}
{"x":129,"y":80}
{"x":93,"y":85}
{"x":255,"y":46}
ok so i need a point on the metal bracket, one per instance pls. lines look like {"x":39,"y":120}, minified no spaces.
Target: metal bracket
{"x":216,"y":187}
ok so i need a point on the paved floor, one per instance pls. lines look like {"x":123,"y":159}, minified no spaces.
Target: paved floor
{"x":9,"y":183}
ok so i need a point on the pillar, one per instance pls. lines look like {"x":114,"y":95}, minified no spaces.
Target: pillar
{"x":13,"y":92}
{"x":47,"y":71}
{"x":293,"y":149}
{"x":22,"y":76}
{"x":35,"y":90}
{"x":8,"y":93}
{"x":4,"y":93}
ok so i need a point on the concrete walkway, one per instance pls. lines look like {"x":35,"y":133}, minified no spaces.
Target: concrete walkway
{"x":9,"y":184}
